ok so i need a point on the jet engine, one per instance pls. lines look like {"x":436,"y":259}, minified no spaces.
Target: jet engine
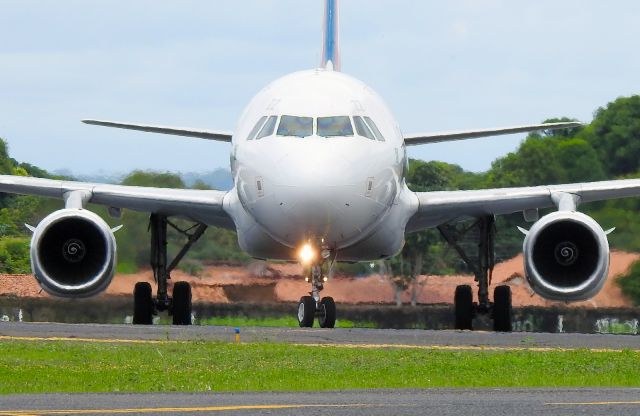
{"x":566,"y":256}
{"x":73,"y":253}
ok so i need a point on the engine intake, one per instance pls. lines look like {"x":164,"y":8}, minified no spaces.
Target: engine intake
{"x":566,"y":256}
{"x":73,"y":253}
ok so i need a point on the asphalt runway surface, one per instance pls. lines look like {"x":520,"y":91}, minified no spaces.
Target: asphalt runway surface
{"x":363,"y":338}
{"x":477,"y":402}
{"x":490,"y":402}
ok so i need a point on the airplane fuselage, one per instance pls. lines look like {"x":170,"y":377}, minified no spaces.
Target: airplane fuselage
{"x":318,"y":157}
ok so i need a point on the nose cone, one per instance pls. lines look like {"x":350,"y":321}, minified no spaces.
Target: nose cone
{"x":317,"y":190}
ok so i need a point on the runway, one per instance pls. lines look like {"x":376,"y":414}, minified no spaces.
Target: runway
{"x":480,"y":402}
{"x":491,"y":402}
{"x":356,"y":338}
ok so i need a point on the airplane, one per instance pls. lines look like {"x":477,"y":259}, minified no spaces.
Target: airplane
{"x":319,"y":166}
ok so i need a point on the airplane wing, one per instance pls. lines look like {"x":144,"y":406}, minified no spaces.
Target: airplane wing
{"x":435,"y":208}
{"x":425,"y":138}
{"x":221,"y":136}
{"x":204,"y":206}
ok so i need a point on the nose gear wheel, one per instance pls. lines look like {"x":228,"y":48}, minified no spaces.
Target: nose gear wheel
{"x":311,"y":306}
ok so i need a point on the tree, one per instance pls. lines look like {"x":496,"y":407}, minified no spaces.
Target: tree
{"x":133,"y":238}
{"x":534,"y":163}
{"x":615,"y":134}
{"x":14,"y":255}
{"x":630,"y":283}
{"x":579,"y":160}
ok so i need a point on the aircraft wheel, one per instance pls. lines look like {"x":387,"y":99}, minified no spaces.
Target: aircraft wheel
{"x":142,"y":304}
{"x":502,"y":311}
{"x":327,"y":318}
{"x":463,"y":305}
{"x":306,"y":311}
{"x":181,"y":303}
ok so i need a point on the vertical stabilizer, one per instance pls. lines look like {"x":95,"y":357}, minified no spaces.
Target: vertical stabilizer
{"x":331,"y":39}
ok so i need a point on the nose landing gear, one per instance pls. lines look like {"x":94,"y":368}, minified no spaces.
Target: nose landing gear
{"x":313,"y":306}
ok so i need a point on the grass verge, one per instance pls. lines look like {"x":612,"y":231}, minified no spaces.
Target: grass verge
{"x":62,"y":366}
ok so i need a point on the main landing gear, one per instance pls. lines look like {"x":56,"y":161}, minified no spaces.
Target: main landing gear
{"x":179,"y":305}
{"x":313,"y":306}
{"x":465,"y":309}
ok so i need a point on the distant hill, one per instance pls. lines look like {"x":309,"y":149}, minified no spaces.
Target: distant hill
{"x":219,"y":179}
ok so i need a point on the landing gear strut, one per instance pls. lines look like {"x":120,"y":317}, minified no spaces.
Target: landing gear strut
{"x":313,"y":306}
{"x":179,"y":306}
{"x":465,"y":309}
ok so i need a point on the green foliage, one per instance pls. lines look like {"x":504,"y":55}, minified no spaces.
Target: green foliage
{"x":57,"y":366}
{"x":126,"y":267}
{"x":534,"y":163}
{"x":133,"y":239}
{"x":630,"y":283}
{"x":6,"y":164}
{"x":153,"y":179}
{"x":615,"y":134}
{"x":14,"y":255}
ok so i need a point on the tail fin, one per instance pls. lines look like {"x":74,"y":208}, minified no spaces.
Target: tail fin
{"x":331,"y":39}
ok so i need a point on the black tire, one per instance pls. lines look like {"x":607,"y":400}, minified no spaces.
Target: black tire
{"x":327,"y":318}
{"x":306,"y":311}
{"x":142,"y":304}
{"x":463,"y":305}
{"x":181,"y":304}
{"x":502,"y":311}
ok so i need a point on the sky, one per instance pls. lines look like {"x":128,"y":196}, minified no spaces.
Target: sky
{"x":459,"y":64}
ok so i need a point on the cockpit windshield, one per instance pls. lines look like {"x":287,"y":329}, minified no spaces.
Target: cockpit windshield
{"x":256,"y":128}
{"x":374,"y":128}
{"x":267,"y":129}
{"x":362,"y":128}
{"x":295,"y":126}
{"x":334,"y":126}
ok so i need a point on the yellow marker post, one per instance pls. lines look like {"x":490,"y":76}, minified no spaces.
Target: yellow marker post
{"x":237,"y":331}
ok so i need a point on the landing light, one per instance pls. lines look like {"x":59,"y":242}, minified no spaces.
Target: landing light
{"x":306,"y":254}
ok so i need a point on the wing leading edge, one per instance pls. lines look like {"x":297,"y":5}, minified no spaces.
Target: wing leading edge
{"x":221,"y":136}
{"x":435,"y":208}
{"x":426,"y":138}
{"x":204,"y":206}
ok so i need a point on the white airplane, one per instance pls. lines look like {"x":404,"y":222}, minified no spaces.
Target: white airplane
{"x":319,"y":166}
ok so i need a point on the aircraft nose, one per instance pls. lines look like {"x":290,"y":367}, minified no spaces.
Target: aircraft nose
{"x":316,"y":165}
{"x":314,"y":189}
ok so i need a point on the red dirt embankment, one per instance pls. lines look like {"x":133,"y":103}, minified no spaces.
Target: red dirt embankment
{"x":283,"y":282}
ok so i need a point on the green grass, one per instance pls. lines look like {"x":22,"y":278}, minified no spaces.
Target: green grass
{"x":283,"y":321}
{"x":62,"y":366}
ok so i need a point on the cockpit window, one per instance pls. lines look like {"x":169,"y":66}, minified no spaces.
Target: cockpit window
{"x":256,"y":128}
{"x":374,"y":128}
{"x":334,"y":126}
{"x":362,"y":129}
{"x":267,"y":129}
{"x":295,"y":126}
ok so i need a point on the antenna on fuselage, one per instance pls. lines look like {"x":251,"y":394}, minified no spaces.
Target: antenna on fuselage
{"x":331,"y":38}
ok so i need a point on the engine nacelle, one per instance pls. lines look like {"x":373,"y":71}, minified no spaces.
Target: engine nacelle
{"x":73,"y":253}
{"x":566,"y":256}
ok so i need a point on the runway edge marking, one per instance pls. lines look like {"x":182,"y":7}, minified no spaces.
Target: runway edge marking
{"x":469,"y":347}
{"x":177,"y":409}
{"x":348,"y":345}
{"x":593,"y":403}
